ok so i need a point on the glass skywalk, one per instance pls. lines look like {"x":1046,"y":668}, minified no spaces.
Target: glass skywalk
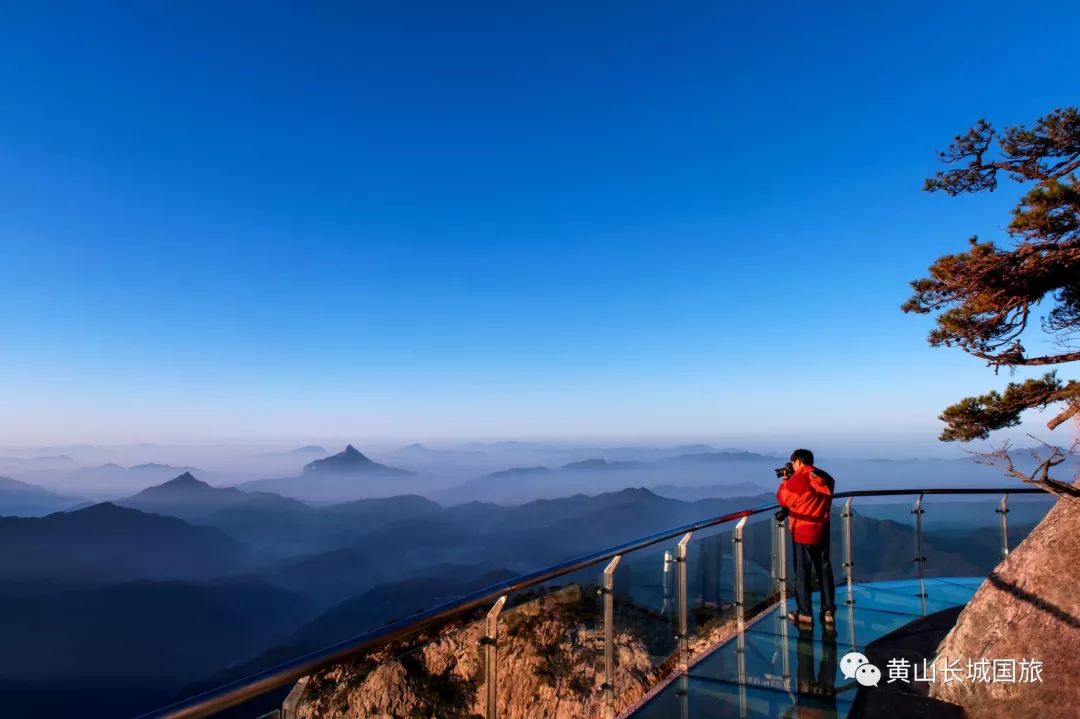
{"x":775,"y":669}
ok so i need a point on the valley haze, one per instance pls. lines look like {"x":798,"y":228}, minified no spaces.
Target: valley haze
{"x":506,"y":471}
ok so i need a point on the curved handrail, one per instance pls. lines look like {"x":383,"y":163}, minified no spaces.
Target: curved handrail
{"x":242,"y":690}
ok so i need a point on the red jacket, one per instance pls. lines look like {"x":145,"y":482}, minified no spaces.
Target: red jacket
{"x":807,"y":496}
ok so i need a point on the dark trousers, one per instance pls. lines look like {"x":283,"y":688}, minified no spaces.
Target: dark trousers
{"x":813,"y":557}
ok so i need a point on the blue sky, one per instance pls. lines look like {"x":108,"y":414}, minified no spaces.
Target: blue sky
{"x":633,"y":221}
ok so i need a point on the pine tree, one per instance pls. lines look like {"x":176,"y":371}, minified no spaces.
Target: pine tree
{"x":985,"y":298}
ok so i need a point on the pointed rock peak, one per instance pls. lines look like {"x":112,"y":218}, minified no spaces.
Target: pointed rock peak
{"x":347,"y":461}
{"x":587,"y":464}
{"x":187,"y":479}
{"x":351,"y":455}
{"x":101,"y":509}
{"x":638,"y":493}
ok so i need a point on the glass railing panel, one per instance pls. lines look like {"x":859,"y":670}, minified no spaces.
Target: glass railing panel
{"x":435,"y":672}
{"x":1025,"y":511}
{"x":962,"y":535}
{"x":548,"y":655}
{"x":883,"y":538}
{"x":759,"y":544}
{"x":550,"y":649}
{"x":645,"y":619}
{"x":710,"y":582}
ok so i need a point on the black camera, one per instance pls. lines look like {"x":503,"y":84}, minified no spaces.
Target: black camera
{"x":783,"y":473}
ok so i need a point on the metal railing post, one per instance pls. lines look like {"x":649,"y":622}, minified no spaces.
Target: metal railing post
{"x":849,"y":563}
{"x":920,"y":558}
{"x":683,"y":693}
{"x":292,"y":701}
{"x":1003,"y":510}
{"x":608,"y":591}
{"x":774,"y":569}
{"x":785,"y":656}
{"x":668,"y":583}
{"x":491,"y":655}
{"x":684,"y":624}
{"x":740,"y":612}
{"x":780,"y":535}
{"x":740,"y":589}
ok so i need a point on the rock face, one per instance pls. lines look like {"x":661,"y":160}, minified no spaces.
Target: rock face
{"x":549,"y":664}
{"x":1028,"y":608}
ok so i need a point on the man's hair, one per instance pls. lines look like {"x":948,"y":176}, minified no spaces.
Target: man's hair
{"x":803,"y":455}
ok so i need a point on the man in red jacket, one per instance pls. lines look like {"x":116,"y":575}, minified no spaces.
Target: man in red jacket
{"x":807,"y":496}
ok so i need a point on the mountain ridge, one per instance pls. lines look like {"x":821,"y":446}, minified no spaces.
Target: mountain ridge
{"x":107,"y":542}
{"x":23,"y":499}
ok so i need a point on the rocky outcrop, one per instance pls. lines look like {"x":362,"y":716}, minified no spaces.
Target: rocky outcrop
{"x":550,"y":665}
{"x":1028,"y":608}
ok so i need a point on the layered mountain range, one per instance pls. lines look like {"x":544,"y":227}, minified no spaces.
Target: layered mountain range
{"x":186,"y":583}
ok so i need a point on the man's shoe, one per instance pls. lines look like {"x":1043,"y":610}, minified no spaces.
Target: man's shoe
{"x":797,"y":618}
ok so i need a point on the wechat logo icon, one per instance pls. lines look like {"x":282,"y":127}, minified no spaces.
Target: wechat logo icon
{"x":854,"y":665}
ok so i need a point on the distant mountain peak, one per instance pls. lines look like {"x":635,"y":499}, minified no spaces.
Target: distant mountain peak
{"x":349,"y":461}
{"x":696,"y":448}
{"x":13,"y":486}
{"x":587,"y":464}
{"x":187,"y":479}
{"x":637,"y":492}
{"x":517,"y":472}
{"x":307,"y":449}
{"x":601,"y":464}
{"x":104,"y":509}
{"x":183,"y":485}
{"x":157,"y":466}
{"x":725,"y":456}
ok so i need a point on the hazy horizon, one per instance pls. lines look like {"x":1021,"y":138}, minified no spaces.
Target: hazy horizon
{"x":848,"y":445}
{"x":500,"y":471}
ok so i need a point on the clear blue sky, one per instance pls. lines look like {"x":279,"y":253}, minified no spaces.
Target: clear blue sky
{"x":620,"y":220}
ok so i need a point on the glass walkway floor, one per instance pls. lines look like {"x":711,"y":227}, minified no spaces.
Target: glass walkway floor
{"x":786,"y":671}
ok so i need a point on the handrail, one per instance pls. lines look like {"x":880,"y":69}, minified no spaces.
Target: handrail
{"x":248,"y":688}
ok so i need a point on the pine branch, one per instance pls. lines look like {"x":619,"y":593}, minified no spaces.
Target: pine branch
{"x":1071,"y":411}
{"x":1041,"y":476}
